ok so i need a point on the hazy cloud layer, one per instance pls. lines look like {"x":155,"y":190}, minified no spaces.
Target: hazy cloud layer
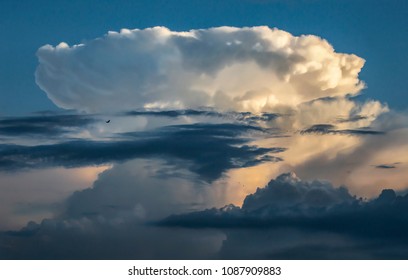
{"x":92,"y":239}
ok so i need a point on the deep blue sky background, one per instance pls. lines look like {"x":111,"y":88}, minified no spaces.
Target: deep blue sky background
{"x":376,"y":30}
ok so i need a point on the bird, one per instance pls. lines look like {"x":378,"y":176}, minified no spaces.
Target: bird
{"x":108,"y":121}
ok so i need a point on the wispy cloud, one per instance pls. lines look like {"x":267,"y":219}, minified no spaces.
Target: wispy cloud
{"x":385,"y":166}
{"x":331,"y":129}
{"x":46,"y":126}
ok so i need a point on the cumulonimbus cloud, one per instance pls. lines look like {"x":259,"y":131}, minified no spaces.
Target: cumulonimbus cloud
{"x":255,"y":69}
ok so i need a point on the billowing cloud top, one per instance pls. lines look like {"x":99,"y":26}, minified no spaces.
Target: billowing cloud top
{"x":288,"y":191}
{"x":255,"y":69}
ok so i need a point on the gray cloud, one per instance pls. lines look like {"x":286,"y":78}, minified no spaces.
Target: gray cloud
{"x":331,"y":129}
{"x":211,"y":149}
{"x":45,"y":125}
{"x":288,"y":202}
{"x":294,"y":219}
{"x":385,"y":166}
{"x":298,"y":244}
{"x":351,"y":119}
{"x":140,"y":189}
{"x":90,"y":239}
{"x":246,"y":117}
{"x":107,"y":221}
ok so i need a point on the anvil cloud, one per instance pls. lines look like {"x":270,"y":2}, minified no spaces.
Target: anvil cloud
{"x":256,"y":69}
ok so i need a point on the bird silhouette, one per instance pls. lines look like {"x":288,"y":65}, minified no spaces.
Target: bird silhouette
{"x":108,"y":121}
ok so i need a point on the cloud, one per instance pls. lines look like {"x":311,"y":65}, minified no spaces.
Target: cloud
{"x":332,"y":110}
{"x":257,"y":76}
{"x":296,"y":244}
{"x":288,"y":191}
{"x":331,"y":129}
{"x":294,"y":219}
{"x":107,"y":221}
{"x":309,"y":218}
{"x":352,"y":119}
{"x":281,"y":199}
{"x":350,"y":160}
{"x":38,"y":194}
{"x":89,"y":239}
{"x":176,"y":113}
{"x":45,"y":125}
{"x":199,"y":119}
{"x":245,"y":117}
{"x":252,"y":69}
{"x":209,"y":149}
{"x":288,"y":202}
{"x":147,"y":189}
{"x":385,"y":166}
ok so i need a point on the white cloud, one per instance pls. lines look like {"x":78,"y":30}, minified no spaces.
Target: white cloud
{"x":245,"y":69}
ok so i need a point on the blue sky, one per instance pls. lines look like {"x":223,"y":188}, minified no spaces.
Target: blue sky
{"x":374,"y":30}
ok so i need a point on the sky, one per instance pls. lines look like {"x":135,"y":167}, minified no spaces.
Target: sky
{"x":248,"y":129}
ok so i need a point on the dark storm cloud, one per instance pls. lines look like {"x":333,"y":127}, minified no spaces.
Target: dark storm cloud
{"x":288,"y":202}
{"x":211,"y":148}
{"x":47,"y":125}
{"x":331,"y":129}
